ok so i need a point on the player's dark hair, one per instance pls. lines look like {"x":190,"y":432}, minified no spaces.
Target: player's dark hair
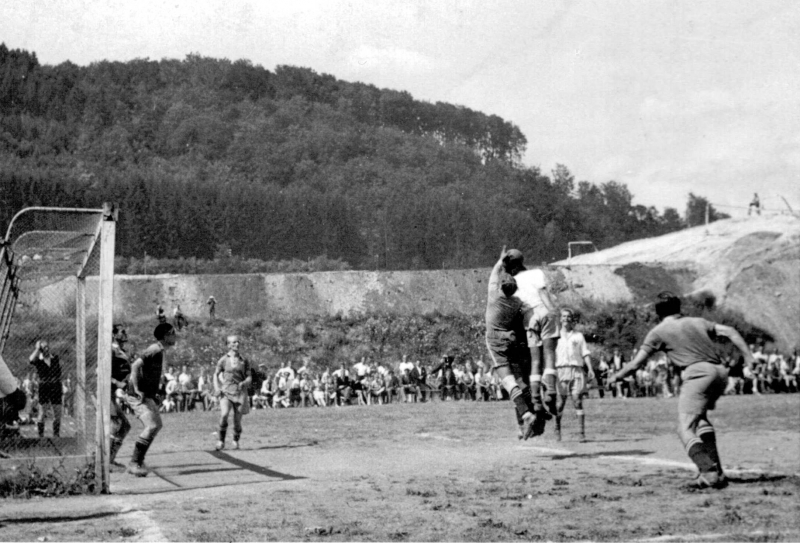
{"x":667,"y":304}
{"x":163,"y":330}
{"x":116,"y":328}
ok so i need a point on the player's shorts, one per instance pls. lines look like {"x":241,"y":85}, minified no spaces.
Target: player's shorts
{"x":238,"y":402}
{"x":506,"y":349}
{"x":571,"y":381}
{"x":145,"y":409}
{"x":540,"y":324}
{"x":702,"y":384}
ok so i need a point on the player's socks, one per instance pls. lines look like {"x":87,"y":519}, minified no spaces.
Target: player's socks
{"x":709,"y":437}
{"x":140,"y":450}
{"x":549,"y":381}
{"x":558,"y":428}
{"x":536,"y":392}
{"x":582,"y":425}
{"x":698,"y":452}
{"x":115,"y":446}
{"x":40,"y":428}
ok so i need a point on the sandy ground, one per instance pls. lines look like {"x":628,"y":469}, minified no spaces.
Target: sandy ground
{"x":443,"y":471}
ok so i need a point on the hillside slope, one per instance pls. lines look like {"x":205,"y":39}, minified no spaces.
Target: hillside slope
{"x":751,"y":265}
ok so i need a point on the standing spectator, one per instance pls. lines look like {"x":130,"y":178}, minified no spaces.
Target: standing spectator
{"x":755,"y":205}
{"x":142,"y":389}
{"x":408,"y":385}
{"x":601,"y":375}
{"x":420,"y":374}
{"x":483,"y":384}
{"x":160,"y":315}
{"x":331,"y":391}
{"x":48,"y":368}
{"x":404,"y":364}
{"x":233,"y":378}
{"x":690,"y":343}
{"x":735,"y":383}
{"x":212,"y":307}
{"x":621,"y":389}
{"x":466,"y":384}
{"x":178,"y":317}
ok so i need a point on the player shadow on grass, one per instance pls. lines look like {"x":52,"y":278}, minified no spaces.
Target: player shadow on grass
{"x":746,"y":479}
{"x":631,"y":452}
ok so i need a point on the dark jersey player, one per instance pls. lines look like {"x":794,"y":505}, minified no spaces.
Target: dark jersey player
{"x":120,"y":371}
{"x":690,"y":344}
{"x":506,"y":343}
{"x":143,"y":385}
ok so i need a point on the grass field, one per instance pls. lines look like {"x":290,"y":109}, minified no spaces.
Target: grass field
{"x":443,"y":471}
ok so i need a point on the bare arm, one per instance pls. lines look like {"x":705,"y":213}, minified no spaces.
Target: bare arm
{"x":637,"y":362}
{"x":589,"y":369}
{"x":136,"y":374}
{"x":738,"y":341}
{"x":35,"y":354}
{"x":547,"y":299}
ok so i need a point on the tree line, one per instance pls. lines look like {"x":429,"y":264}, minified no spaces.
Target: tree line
{"x":202,"y":154}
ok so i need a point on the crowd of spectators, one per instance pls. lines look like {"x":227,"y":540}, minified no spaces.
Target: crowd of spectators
{"x":371,"y":383}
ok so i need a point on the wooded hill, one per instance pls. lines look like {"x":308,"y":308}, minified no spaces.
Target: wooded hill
{"x":202,"y":154}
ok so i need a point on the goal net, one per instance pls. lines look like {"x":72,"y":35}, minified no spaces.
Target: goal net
{"x":46,"y":258}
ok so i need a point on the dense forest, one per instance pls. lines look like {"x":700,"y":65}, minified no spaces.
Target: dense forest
{"x":208,"y":158}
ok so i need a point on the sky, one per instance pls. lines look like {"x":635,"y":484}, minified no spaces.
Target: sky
{"x":668,"y":97}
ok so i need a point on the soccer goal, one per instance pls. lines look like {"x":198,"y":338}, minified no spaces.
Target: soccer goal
{"x":46,"y":258}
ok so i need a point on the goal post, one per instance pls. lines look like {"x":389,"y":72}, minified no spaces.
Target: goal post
{"x":48,"y":255}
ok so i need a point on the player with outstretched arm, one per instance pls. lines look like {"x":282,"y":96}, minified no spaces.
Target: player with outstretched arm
{"x":689,"y":342}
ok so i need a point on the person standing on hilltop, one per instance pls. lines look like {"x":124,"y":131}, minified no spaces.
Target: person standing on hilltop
{"x":689,"y":342}
{"x":212,"y":307}
{"x":755,"y":204}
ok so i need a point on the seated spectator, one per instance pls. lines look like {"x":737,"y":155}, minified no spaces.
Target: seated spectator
{"x":331,"y":391}
{"x":264,"y":397}
{"x":483,"y":384}
{"x":393,"y":389}
{"x":206,"y":391}
{"x":172,"y":396}
{"x":295,"y":391}
{"x":280,"y":396}
{"x":188,"y":389}
{"x":306,"y":389}
{"x":377,"y":389}
{"x":466,"y":384}
{"x":318,"y":392}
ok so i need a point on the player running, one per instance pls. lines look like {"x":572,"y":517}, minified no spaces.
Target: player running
{"x":505,"y":340}
{"x":572,"y":358}
{"x":232,"y":381}
{"x":143,"y":385}
{"x":540,"y":318}
{"x":690,"y":344}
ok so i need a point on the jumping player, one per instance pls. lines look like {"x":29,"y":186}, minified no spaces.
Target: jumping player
{"x":232,"y":380}
{"x":143,"y":386}
{"x":689,"y":344}
{"x":572,"y":357}
{"x":120,"y":371}
{"x":540,"y":319}
{"x":505,"y":340}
